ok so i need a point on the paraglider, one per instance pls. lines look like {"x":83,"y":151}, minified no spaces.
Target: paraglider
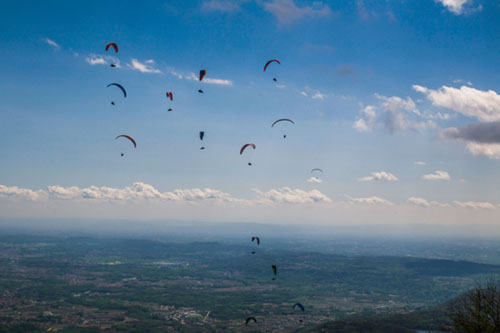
{"x":257,"y":240}
{"x":275,"y":271}
{"x":170,"y":95}
{"x":280,"y":120}
{"x":169,"y":109}
{"x":113,"y":65}
{"x":250,"y":318}
{"x":270,"y":61}
{"x":119,"y":86}
{"x":127,"y":137}
{"x":202,"y":135}
{"x":300,"y":306}
{"x":245,"y":147}
{"x":200,"y":91}
{"x":202,"y":74}
{"x":113,"y":45}
{"x":275,"y":80}
{"x":316,"y":169}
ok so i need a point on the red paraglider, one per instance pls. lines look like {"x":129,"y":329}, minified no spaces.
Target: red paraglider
{"x":270,"y":61}
{"x":202,"y":74}
{"x":170,"y":95}
{"x":127,"y":137}
{"x":245,"y":147}
{"x":113,"y":45}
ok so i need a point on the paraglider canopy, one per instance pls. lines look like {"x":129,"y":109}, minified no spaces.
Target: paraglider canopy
{"x":170,"y":95}
{"x":316,"y":169}
{"x":113,"y":45}
{"x":249,"y":319}
{"x":270,"y":61}
{"x":254,"y":238}
{"x":119,"y":86}
{"x":245,"y":147}
{"x":300,"y":306}
{"x":280,"y":120}
{"x":202,"y":135}
{"x":202,"y":74}
{"x":200,"y":91}
{"x":127,"y":137}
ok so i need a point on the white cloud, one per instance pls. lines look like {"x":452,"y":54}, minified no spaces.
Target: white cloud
{"x":281,"y":86}
{"x":380,"y":176}
{"x":420,"y":163}
{"x":457,"y":7}
{"x":399,"y":114}
{"x":222,"y":82}
{"x":51,"y":43}
{"x":318,"y":95}
{"x":419,"y":202}
{"x":303,"y":93}
{"x":373,"y":200}
{"x":286,"y":11}
{"x":490,"y":150}
{"x":225,"y":6}
{"x":17,"y":193}
{"x":314,"y":180}
{"x":178,"y":75}
{"x":293,"y":196}
{"x":147,"y":67}
{"x":138,"y":191}
{"x":95,"y":60}
{"x":462,"y":81}
{"x":437,"y":175}
{"x":480,"y":138}
{"x":470,"y":102}
{"x":474,"y":205}
{"x":367,"y":120}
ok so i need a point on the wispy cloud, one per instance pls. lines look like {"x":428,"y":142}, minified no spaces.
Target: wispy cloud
{"x":224,"y":6}
{"x":147,"y":67}
{"x":291,"y":196}
{"x":51,"y":43}
{"x":437,"y":175}
{"x":287,"y":12}
{"x":474,"y":205}
{"x":421,"y":202}
{"x":221,"y":82}
{"x":380,"y":176}
{"x":367,"y":120}
{"x":420,"y":163}
{"x":314,"y":180}
{"x":459,"y":7}
{"x":373,"y":200}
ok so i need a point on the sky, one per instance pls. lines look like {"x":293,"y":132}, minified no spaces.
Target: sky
{"x":396,"y":101}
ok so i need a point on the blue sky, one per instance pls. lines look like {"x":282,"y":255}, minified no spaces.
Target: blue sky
{"x":395,"y":100}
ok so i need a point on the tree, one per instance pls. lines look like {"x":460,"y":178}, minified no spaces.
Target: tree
{"x":477,"y":310}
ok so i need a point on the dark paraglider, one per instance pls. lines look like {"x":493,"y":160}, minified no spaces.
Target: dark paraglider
{"x":119,"y":86}
{"x":275,"y":271}
{"x":200,"y":91}
{"x":203,"y":72}
{"x":249,"y":319}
